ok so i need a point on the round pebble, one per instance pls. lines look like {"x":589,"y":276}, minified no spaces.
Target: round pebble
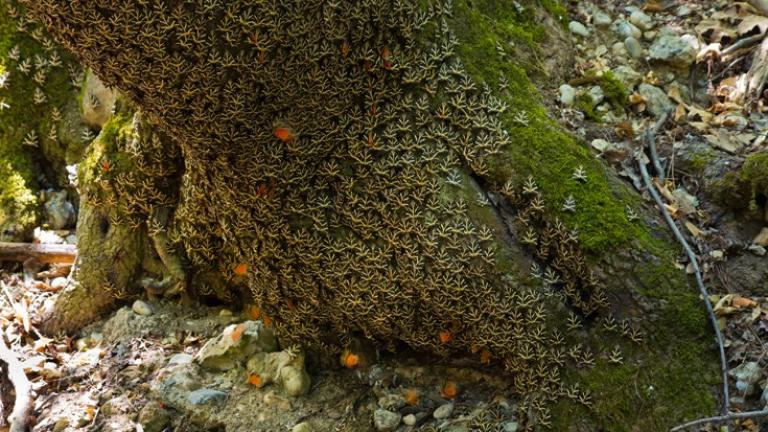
{"x":386,"y":421}
{"x":578,"y":28}
{"x":634,"y":49}
{"x":302,"y":427}
{"x":443,"y":411}
{"x":409,"y":420}
{"x":141,"y":308}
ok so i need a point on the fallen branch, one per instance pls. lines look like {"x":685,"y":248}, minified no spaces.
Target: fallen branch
{"x":747,"y":42}
{"x":44,"y":253}
{"x":23,"y":402}
{"x":642,"y":160}
{"x":721,"y":419}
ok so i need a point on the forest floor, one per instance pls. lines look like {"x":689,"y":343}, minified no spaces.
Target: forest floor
{"x":141,"y":368}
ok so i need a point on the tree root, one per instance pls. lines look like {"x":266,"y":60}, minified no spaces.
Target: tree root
{"x":23,"y":403}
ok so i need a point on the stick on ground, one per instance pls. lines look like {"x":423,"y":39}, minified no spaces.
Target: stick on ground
{"x":44,"y":253}
{"x":693,"y":259}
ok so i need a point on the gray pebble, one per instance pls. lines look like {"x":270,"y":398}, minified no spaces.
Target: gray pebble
{"x":578,"y":28}
{"x":443,"y":411}
{"x":141,"y":308}
{"x":634,"y":49}
{"x":567,"y":95}
{"x":386,"y":421}
{"x":202,"y":396}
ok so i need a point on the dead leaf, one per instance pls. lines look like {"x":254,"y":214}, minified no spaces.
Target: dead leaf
{"x":693,"y":229}
{"x":743,"y":302}
{"x":751,"y":23}
{"x":729,"y":141}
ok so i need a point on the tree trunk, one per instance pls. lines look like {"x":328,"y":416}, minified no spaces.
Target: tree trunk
{"x":338,"y":165}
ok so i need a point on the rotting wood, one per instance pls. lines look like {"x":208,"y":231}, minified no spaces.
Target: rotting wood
{"x":44,"y":253}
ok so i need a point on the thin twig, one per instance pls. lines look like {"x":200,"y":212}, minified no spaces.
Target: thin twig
{"x":721,"y":419}
{"x":642,"y":160}
{"x":649,"y":138}
{"x":743,"y":43}
{"x":23,"y":402}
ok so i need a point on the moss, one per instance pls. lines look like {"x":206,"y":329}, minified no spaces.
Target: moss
{"x":615,"y":92}
{"x":540,"y":148}
{"x":586,"y":105}
{"x":740,"y":190}
{"x":18,"y":203}
{"x":21,"y":166}
{"x":700,"y":160}
{"x":754,"y":172}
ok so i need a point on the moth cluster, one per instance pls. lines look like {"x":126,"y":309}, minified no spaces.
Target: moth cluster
{"x":323,"y":142}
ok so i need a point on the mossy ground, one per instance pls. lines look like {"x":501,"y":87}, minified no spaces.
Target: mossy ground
{"x":682,"y":366}
{"x":23,"y":167}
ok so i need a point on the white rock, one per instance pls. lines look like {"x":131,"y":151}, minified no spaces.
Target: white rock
{"x":656,"y":100}
{"x":141,"y":308}
{"x":567,"y":95}
{"x":625,"y":29}
{"x":601,"y":145}
{"x":683,"y":11}
{"x":601,"y":19}
{"x":634,"y":49}
{"x":597,"y":95}
{"x":71,"y":239}
{"x":59,"y":283}
{"x":302,"y":427}
{"x":618,"y":49}
{"x":641,"y":20}
{"x":628,"y":76}
{"x":409,"y":420}
{"x":679,"y":51}
{"x":443,"y":411}
{"x":578,"y":29}
{"x":386,"y":421}
{"x":762,"y":238}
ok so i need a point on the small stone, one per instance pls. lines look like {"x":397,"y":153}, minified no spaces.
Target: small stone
{"x":386,"y":421}
{"x":409,"y":420}
{"x":762,"y":238}
{"x":235,"y":344}
{"x":747,"y":375}
{"x":649,"y":36}
{"x":71,"y":239}
{"x":154,"y":418}
{"x":391,"y":402}
{"x":628,"y":76}
{"x":626,"y":29}
{"x":601,"y":19}
{"x":60,"y":424}
{"x":601,"y":145}
{"x":683,"y":11}
{"x":59,"y":212}
{"x":510,"y":426}
{"x":679,"y":51}
{"x":59,"y":283}
{"x":302,"y":427}
{"x":203,"y":396}
{"x":567,"y":95}
{"x":578,"y":29}
{"x":619,"y":50}
{"x":443,"y":411}
{"x":641,"y":20}
{"x":180,"y":358}
{"x":141,"y":308}
{"x":757,"y":250}
{"x":656,"y":100}
{"x":597,"y":95}
{"x":634,"y":49}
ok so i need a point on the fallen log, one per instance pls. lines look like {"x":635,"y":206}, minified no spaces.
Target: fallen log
{"x":43,"y":253}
